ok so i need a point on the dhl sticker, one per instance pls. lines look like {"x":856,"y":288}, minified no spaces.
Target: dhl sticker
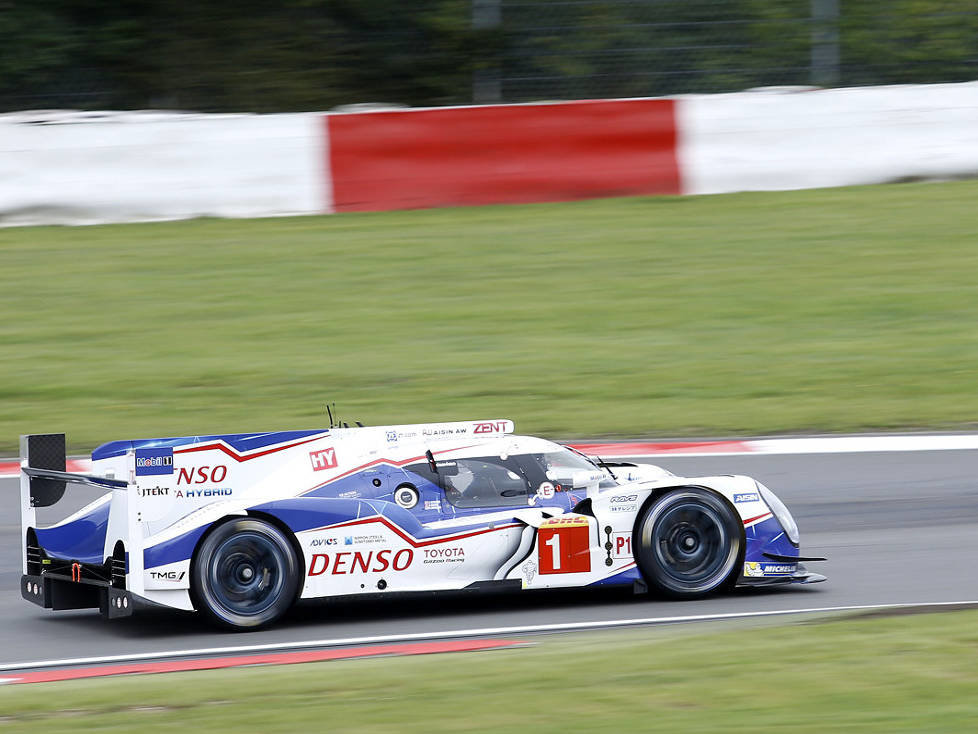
{"x":564,"y":522}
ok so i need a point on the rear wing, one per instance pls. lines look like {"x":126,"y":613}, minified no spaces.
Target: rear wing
{"x":43,"y":483}
{"x":43,"y":459}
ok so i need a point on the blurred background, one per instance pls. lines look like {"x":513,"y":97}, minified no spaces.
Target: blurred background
{"x":300,"y":55}
{"x":786,"y":304}
{"x":710,"y":262}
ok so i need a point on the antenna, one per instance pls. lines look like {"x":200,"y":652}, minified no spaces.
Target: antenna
{"x":330,"y":414}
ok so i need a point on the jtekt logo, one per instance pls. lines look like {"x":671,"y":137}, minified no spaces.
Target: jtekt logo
{"x":153,"y":491}
{"x":323,"y":459}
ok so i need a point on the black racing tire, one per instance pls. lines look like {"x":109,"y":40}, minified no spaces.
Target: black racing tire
{"x":245,"y":575}
{"x":689,"y":543}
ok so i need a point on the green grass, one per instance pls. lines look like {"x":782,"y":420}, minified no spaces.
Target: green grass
{"x":829,"y":310}
{"x":909,"y":673}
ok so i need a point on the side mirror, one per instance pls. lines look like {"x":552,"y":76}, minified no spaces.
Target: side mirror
{"x":579,"y":479}
{"x":447,"y":468}
{"x":588,"y":478}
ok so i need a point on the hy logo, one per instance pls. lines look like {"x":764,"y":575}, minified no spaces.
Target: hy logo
{"x":323,"y":459}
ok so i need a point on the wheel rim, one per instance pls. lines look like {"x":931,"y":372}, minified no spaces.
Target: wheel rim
{"x":247,"y":573}
{"x":690,"y":542}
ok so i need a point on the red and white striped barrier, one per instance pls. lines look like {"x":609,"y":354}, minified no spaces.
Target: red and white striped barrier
{"x":65,"y":168}
{"x":11,"y":467}
{"x":504,"y":154}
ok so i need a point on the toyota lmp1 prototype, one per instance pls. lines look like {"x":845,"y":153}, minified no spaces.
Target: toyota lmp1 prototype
{"x":239,"y":527}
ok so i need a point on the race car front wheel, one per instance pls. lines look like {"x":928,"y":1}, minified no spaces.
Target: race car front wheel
{"x":245,"y":575}
{"x":689,"y":543}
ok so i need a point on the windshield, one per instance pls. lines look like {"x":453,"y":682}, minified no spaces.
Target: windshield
{"x":507,"y":480}
{"x":563,"y":461}
{"x":561,"y":464}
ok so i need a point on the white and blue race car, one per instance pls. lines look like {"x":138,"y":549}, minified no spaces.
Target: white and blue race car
{"x":239,"y":527}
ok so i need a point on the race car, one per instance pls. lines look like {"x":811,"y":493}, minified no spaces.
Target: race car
{"x":239,"y":527}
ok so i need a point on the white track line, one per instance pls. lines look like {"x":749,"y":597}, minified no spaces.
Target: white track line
{"x":483,"y":632}
{"x":800,"y":445}
{"x":861,"y":444}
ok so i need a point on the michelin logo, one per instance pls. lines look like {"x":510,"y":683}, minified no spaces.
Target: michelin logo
{"x":753,"y":569}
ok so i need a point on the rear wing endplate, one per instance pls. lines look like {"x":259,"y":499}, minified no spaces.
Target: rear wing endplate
{"x":43,"y":459}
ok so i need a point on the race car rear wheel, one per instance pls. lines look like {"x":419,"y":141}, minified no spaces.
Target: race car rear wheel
{"x":689,"y":543}
{"x":245,"y":575}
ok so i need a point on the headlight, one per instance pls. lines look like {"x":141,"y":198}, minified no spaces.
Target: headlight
{"x":780,"y":512}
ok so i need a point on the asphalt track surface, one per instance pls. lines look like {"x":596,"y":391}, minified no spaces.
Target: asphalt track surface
{"x":896,"y":527}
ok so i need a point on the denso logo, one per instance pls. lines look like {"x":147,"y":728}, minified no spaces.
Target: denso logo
{"x":323,"y":459}
{"x":370,"y":562}
{"x":202,"y":475}
{"x":490,"y":427}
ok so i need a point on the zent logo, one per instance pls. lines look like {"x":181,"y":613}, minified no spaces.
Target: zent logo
{"x":490,"y":427}
{"x":323,"y":459}
{"x":202,"y":475}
